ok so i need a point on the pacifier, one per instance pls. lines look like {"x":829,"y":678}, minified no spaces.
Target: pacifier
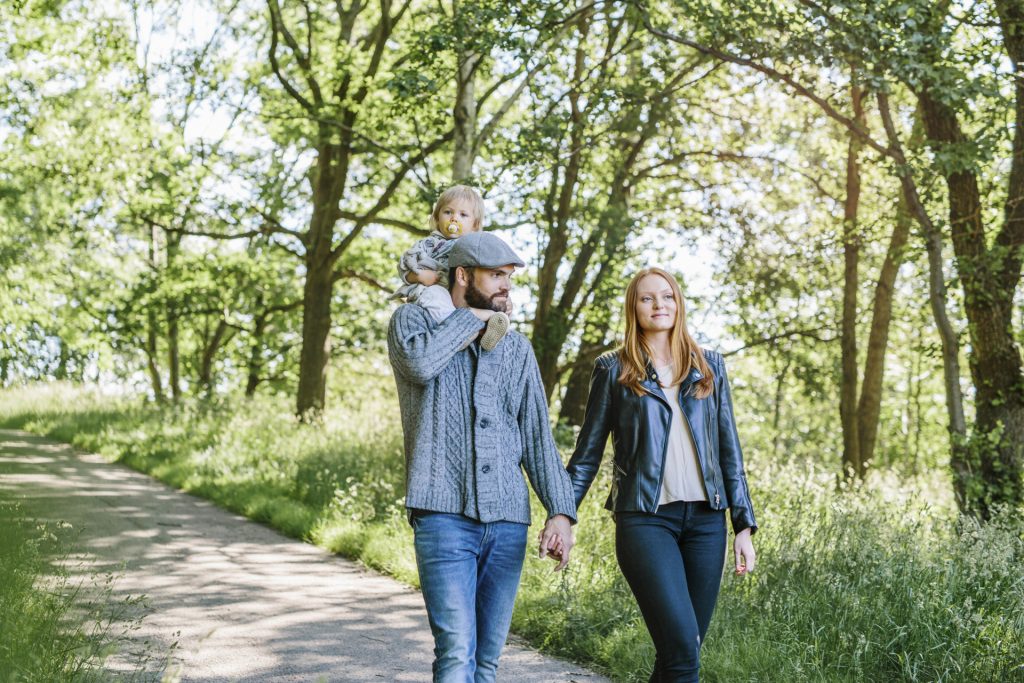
{"x":452,"y":229}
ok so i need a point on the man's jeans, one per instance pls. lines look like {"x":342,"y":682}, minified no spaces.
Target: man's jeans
{"x":672,"y":560}
{"x":469,"y":574}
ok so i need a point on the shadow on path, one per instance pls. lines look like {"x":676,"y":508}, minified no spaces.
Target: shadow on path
{"x":244,"y":602}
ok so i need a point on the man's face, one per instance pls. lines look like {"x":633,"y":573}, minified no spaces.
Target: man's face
{"x":488,"y":288}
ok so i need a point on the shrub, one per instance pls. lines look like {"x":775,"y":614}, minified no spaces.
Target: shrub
{"x":877,"y":582}
{"x":54,"y":628}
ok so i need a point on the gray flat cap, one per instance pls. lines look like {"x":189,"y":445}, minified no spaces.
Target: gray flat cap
{"x":482,"y":250}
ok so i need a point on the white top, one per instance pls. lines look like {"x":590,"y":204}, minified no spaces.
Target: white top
{"x":682,"y":479}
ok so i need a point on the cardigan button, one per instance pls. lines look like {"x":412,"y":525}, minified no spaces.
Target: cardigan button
{"x":485,"y":469}
{"x":485,"y":423}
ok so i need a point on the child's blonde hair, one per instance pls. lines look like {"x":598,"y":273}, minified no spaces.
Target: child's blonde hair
{"x":454,"y":193}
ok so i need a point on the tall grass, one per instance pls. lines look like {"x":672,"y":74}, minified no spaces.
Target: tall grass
{"x":53,"y":627}
{"x":881,"y":582}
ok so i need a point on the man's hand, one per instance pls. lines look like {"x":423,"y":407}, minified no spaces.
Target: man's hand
{"x":556,"y":540}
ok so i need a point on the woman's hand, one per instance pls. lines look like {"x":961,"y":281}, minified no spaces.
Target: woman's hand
{"x":746,"y":558}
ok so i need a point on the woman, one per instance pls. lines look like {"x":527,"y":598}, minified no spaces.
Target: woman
{"x":678,"y":466}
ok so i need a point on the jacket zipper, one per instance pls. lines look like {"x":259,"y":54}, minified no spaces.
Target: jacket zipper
{"x":664,"y":449}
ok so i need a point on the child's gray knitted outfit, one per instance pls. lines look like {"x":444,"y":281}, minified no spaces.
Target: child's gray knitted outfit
{"x":430,"y":253}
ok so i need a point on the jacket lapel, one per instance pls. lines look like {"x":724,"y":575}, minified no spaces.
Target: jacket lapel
{"x":652,"y":385}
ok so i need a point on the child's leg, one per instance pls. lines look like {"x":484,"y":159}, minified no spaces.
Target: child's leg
{"x":438,"y":302}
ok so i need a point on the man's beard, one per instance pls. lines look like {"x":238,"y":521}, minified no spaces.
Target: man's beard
{"x":477,"y":299}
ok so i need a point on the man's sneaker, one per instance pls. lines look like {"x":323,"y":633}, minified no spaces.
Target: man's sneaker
{"x":497,"y":326}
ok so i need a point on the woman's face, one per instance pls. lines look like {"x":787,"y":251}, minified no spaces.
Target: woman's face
{"x":655,"y":304}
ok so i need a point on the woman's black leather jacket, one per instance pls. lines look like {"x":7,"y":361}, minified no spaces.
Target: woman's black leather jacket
{"x":639,"y":426}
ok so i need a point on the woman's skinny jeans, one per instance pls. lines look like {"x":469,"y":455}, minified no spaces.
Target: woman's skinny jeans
{"x":673,"y":561}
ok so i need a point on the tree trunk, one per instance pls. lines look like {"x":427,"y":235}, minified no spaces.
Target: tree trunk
{"x":551,"y":332}
{"x":151,"y":355}
{"x":316,"y":318}
{"x":937,"y":299}
{"x":577,"y":389}
{"x":316,"y":340}
{"x":328,"y":182}
{"x":151,"y":327}
{"x":595,"y":340}
{"x":209,"y":353}
{"x":464,"y":152}
{"x":548,"y":330}
{"x":914,"y":412}
{"x":992,"y":474}
{"x":173,"y":354}
{"x":870,"y":403}
{"x":256,"y":354}
{"x":606,"y":243}
{"x":851,"y":462}
{"x":171,"y":311}
{"x":780,"y":388}
{"x":61,"y":373}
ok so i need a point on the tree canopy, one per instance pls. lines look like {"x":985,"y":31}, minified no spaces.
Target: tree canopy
{"x":202,"y":197}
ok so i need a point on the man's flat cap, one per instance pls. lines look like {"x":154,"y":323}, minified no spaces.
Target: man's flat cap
{"x":482,"y":250}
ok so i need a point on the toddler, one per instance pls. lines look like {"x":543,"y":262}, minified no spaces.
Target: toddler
{"x":424,"y":268}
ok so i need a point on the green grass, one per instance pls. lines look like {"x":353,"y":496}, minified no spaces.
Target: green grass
{"x":52,"y":627}
{"x":879,"y":583}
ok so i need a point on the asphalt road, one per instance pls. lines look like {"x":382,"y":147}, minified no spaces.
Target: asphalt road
{"x":243,"y":602}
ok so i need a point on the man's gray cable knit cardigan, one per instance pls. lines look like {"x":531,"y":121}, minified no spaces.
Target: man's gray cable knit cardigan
{"x":472,"y":419}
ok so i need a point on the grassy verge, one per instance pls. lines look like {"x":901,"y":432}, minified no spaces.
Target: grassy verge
{"x":55,"y":628}
{"x":867,"y":585}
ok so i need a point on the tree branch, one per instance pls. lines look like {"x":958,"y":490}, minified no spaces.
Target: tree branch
{"x":276,"y":66}
{"x":302,"y":59}
{"x":393,"y":222}
{"x":776,"y":75}
{"x":810,"y":334}
{"x":736,"y":156}
{"x":385,"y":196}
{"x":348,"y":273}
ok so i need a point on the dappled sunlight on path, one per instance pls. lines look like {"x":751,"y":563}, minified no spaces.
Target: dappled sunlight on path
{"x":244,"y":602}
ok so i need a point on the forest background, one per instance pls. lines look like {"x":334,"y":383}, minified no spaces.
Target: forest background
{"x":202,"y":204}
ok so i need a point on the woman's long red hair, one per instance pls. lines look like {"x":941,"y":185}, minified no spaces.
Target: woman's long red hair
{"x":635,"y":351}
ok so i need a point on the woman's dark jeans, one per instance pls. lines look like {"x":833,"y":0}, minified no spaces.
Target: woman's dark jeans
{"x":673,"y":561}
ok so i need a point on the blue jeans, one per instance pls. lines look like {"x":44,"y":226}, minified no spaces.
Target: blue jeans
{"x":469,"y":573}
{"x":673,"y":561}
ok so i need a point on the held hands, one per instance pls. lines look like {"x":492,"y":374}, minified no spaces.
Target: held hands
{"x":556,"y":540}
{"x":744,"y":548}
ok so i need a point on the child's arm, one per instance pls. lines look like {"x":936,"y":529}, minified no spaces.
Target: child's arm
{"x":417,"y":266}
{"x":420,"y":350}
{"x":425,"y":276}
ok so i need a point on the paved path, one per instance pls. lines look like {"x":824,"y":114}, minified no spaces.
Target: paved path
{"x":244,"y":602}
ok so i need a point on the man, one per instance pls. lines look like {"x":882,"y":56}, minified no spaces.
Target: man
{"x":472,"y":420}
